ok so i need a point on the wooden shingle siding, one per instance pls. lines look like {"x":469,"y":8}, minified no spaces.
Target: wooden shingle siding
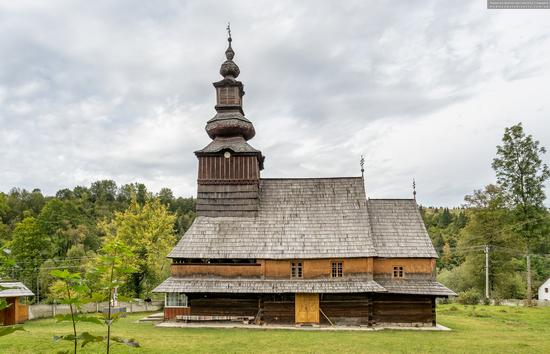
{"x":237,"y":200}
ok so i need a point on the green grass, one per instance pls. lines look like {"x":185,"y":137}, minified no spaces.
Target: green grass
{"x":480,"y":329}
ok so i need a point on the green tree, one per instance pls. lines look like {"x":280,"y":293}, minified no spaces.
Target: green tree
{"x":111,"y":270}
{"x":30,"y":247}
{"x":71,"y":290}
{"x":488,"y":225}
{"x":521,"y":174}
{"x":148,"y":232}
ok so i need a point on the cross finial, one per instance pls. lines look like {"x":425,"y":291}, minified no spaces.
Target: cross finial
{"x":228,"y":32}
{"x":362,"y":163}
{"x":414,"y":189}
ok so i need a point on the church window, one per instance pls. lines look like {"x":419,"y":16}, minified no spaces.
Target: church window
{"x":337,"y":269}
{"x":176,"y":300}
{"x":546,"y":290}
{"x":398,"y":272}
{"x":296,"y":269}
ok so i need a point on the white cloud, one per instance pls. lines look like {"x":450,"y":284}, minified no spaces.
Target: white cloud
{"x":122,"y":90}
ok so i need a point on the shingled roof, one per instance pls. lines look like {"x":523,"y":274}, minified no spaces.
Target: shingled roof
{"x":13,"y":289}
{"x":415,"y":286}
{"x":297,"y":218}
{"x":263,"y":286}
{"x":398,"y":229}
{"x":312,"y":218}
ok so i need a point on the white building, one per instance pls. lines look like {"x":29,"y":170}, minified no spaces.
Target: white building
{"x":544,"y":291}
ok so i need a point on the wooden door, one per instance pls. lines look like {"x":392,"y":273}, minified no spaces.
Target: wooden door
{"x":307,"y":308}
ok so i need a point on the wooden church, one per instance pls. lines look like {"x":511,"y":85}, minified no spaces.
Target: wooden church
{"x":294,"y":250}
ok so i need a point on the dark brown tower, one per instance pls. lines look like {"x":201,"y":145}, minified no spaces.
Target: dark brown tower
{"x":229,"y":168}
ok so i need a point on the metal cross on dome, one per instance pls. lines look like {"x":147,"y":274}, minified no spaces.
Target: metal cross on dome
{"x":229,"y":29}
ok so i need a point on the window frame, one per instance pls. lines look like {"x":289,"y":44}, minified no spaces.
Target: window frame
{"x":337,"y":268}
{"x":296,"y":269}
{"x":398,"y":272}
{"x":181,"y":296}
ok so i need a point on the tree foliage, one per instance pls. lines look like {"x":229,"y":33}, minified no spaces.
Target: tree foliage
{"x":148,"y":231}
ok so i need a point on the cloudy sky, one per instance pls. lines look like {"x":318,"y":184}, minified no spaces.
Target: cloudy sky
{"x":122,"y":90}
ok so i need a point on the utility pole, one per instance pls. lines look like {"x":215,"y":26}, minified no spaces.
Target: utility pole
{"x":37,"y":286}
{"x":487,"y":271}
{"x":529,"y":295}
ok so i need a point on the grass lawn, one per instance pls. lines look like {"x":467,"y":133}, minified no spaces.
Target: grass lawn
{"x":480,"y":329}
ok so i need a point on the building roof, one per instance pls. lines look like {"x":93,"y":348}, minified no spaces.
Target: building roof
{"x":312,"y":218}
{"x":259,"y":286}
{"x":398,"y":229}
{"x":415,"y":286}
{"x":13,"y":289}
{"x":297,"y":218}
{"x":281,"y":286}
{"x":234,"y":143}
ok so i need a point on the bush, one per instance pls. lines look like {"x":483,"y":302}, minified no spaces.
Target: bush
{"x":469,"y":297}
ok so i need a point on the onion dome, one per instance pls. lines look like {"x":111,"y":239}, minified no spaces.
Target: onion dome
{"x":229,"y":69}
{"x":229,"y":120}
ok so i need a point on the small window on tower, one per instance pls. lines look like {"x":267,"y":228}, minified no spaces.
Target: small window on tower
{"x":546,"y":290}
{"x":398,"y":272}
{"x":296,"y":269}
{"x":337,"y":269}
{"x":228,"y":95}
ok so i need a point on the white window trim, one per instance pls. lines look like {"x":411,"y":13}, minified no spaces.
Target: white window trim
{"x":172,"y":306}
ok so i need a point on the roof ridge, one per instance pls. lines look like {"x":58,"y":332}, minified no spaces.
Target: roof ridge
{"x":308,"y":178}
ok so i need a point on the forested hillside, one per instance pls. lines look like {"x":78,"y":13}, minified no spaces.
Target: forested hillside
{"x":66,"y":231}
{"x":508,"y":219}
{"x":460,"y":236}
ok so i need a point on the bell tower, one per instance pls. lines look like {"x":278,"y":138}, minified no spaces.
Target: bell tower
{"x":229,"y":168}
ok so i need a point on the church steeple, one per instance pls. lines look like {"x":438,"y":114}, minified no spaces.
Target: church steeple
{"x":229,"y":168}
{"x":230,"y":119}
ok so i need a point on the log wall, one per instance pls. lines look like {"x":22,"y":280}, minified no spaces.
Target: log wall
{"x":341,"y":309}
{"x":345,"y":309}
{"x":236,"y":270}
{"x":403,"y":309}
{"x":278,"y":312}
{"x":170,"y":313}
{"x":224,"y":305}
{"x":419,"y":266}
{"x":317,"y":268}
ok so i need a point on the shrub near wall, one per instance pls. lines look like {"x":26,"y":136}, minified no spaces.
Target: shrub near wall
{"x":469,"y":297}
